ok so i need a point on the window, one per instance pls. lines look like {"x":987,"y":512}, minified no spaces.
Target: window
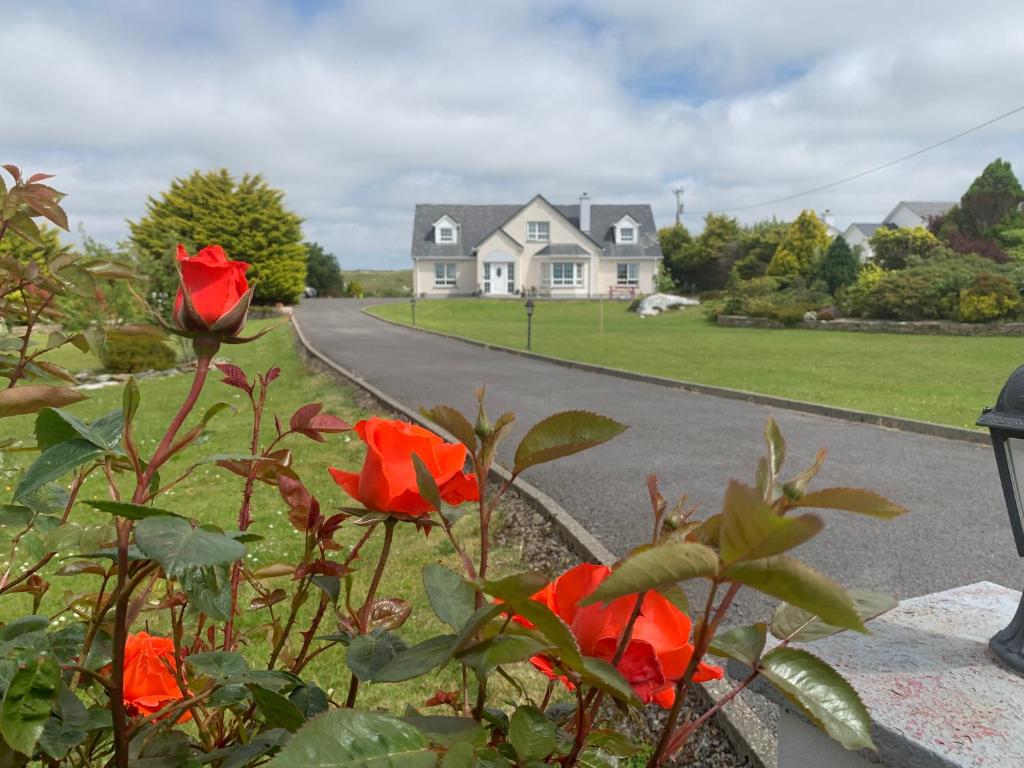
{"x":627,"y":235}
{"x":444,"y":274}
{"x":538,"y":231}
{"x":564,"y":275}
{"x":628,"y":274}
{"x":511,"y":278}
{"x":445,"y":235}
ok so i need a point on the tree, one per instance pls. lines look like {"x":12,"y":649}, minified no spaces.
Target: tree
{"x":801,"y":248}
{"x":323,"y":272}
{"x":839,"y":266}
{"x":674,"y":240}
{"x":24,"y":251}
{"x":896,"y":248}
{"x":705,"y":261}
{"x":993,"y":195}
{"x":245,"y":216}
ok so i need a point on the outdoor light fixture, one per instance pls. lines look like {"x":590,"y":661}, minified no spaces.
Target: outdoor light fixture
{"x":412,"y":303}
{"x":529,"y":323}
{"x":1005,"y":422}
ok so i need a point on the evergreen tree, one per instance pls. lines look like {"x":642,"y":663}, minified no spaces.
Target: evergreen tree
{"x":674,"y":240}
{"x":839,"y":265}
{"x":245,"y":216}
{"x":323,"y":272}
{"x":801,"y":248}
{"x":993,"y":195}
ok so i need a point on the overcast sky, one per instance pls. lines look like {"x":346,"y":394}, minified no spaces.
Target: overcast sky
{"x":358,"y":110}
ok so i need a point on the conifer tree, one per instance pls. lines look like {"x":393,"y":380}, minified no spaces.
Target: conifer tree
{"x":839,"y":265}
{"x":801,"y":248}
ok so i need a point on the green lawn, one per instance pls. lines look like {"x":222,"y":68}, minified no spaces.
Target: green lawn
{"x":213,"y":495}
{"x":381,"y":282}
{"x":944,"y":379}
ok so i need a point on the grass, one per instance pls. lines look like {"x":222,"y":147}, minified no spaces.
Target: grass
{"x":382,"y":282}
{"x":943,"y":379}
{"x":212,"y":495}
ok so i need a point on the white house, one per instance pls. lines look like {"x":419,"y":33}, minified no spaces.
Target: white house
{"x":907,"y":214}
{"x":561,"y":251}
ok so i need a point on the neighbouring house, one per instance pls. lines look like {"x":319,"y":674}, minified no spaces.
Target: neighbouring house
{"x":561,"y":251}
{"x":906,"y":214}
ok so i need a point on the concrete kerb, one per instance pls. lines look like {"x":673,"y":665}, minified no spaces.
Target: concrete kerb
{"x":845,"y":414}
{"x":742,"y":725}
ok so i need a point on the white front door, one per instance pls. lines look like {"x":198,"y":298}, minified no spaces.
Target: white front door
{"x":497,"y":276}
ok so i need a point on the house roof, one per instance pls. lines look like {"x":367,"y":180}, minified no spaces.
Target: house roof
{"x":866,"y":228}
{"x":477,"y":222}
{"x":924,"y":209}
{"x":562,"y":249}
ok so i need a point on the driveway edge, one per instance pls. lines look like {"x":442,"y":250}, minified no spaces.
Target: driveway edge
{"x":833,"y":412}
{"x":740,"y":722}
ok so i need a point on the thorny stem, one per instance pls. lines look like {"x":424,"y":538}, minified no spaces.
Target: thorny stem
{"x":364,"y":614}
{"x":30,"y":321}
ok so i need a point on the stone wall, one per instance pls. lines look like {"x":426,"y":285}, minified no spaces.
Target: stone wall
{"x":915,"y":327}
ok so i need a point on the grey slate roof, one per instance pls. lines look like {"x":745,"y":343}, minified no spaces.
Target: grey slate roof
{"x":559,"y":249}
{"x":476,"y":222}
{"x":868,"y":229}
{"x":926,"y":209}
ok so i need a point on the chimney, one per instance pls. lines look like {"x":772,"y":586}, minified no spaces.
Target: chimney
{"x":829,"y":218}
{"x":585,"y":213}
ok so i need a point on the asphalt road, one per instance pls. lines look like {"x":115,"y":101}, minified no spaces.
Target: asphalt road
{"x":956,"y":532}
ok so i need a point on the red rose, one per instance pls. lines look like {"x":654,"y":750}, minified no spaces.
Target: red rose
{"x":387,"y":481}
{"x":214,"y":295}
{"x":149,"y":679}
{"x":659,"y":648}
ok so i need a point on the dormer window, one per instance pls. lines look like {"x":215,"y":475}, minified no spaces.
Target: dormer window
{"x":627,"y":231}
{"x":538,"y":231}
{"x":446,"y":231}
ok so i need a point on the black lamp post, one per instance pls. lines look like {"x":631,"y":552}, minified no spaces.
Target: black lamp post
{"x":529,"y":324}
{"x":412,"y":303}
{"x":1005,"y":422}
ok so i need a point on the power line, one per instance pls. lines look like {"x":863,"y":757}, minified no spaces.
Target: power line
{"x":862,"y":174}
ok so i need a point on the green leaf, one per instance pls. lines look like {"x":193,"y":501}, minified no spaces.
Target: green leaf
{"x":855,"y":500}
{"x":56,"y":462}
{"x":822,"y":693}
{"x":603,"y":675}
{"x":66,"y":729}
{"x":54,"y":425}
{"x":751,"y":529}
{"x":452,"y":421}
{"x":28,"y":701}
{"x":592,"y":757}
{"x":776,"y":445}
{"x":369,"y":654}
{"x":452,"y":597}
{"x":563,"y":434}
{"x":208,"y":590}
{"x":446,"y":730}
{"x":126,"y":509}
{"x":131,"y":400}
{"x":484,"y":656}
{"x":177,"y":546}
{"x":243,"y":755}
{"x":796,"y":583}
{"x":613,"y":742}
{"x":743,"y":643}
{"x":330,"y":585}
{"x":459,"y":755}
{"x":531,"y":734}
{"x":801,"y":626}
{"x":656,"y":567}
{"x":153,"y":748}
{"x":310,"y":699}
{"x":220,"y":666}
{"x":22,"y":224}
{"x":417,"y":660}
{"x":519,"y":585}
{"x":515,"y":592}
{"x":356,"y":739}
{"x":276,"y":709}
{"x":425,"y":483}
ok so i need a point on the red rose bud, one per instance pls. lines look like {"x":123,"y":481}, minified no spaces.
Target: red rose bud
{"x":214,"y":295}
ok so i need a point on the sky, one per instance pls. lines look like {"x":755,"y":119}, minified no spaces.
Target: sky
{"x":360,"y":109}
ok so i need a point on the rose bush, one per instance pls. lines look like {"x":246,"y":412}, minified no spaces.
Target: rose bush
{"x":156,"y":666}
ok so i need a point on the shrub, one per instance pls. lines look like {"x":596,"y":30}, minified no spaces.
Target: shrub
{"x":978,"y":246}
{"x":899,"y":248}
{"x":354,"y":289}
{"x":989,"y":297}
{"x":130,"y":353}
{"x":855,"y":299}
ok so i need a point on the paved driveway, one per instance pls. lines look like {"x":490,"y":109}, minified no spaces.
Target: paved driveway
{"x":956,"y":533}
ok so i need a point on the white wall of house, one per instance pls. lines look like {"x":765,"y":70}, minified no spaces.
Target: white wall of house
{"x":424,"y":277}
{"x":854,"y":237}
{"x":608,"y":275}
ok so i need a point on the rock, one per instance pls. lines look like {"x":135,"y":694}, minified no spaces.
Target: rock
{"x":810,"y":317}
{"x":657,"y":303}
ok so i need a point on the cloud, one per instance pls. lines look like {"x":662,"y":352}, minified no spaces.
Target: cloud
{"x":358,"y":110}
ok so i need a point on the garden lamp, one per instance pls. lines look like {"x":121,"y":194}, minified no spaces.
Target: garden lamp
{"x":412,"y":303}
{"x":529,"y":323}
{"x":1005,"y":423}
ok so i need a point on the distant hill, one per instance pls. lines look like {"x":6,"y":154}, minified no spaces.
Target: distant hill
{"x":381,"y":282}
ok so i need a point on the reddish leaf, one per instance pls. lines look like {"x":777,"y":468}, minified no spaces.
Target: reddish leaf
{"x":234,"y":377}
{"x":302,"y":417}
{"x":31,"y":398}
{"x":325,"y":567}
{"x":272,"y":374}
{"x":331,"y":525}
{"x":14,"y":171}
{"x":389,"y":613}
{"x":442,"y":697}
{"x":35,"y":177}
{"x":309,"y":421}
{"x":275,"y":597}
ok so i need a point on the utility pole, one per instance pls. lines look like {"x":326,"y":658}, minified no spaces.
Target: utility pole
{"x":678,"y":192}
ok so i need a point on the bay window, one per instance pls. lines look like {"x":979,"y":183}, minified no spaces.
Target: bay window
{"x":444,"y":274}
{"x":563,"y":274}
